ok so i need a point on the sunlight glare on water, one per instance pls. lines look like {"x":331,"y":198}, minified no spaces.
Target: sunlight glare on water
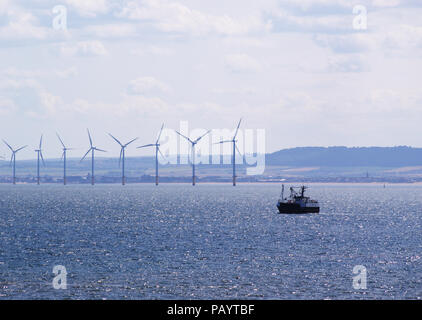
{"x":208,"y":242}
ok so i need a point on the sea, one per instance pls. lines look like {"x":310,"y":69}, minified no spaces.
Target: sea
{"x":211,"y":241}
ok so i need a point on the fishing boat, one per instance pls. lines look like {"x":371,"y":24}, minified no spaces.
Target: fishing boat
{"x":297,"y":202}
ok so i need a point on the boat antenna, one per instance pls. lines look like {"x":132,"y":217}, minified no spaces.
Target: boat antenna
{"x":282,"y":192}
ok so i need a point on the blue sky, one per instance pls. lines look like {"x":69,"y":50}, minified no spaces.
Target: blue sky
{"x":297,"y":69}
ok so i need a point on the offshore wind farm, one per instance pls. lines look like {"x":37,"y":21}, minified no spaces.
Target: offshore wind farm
{"x":399,"y":164}
{"x":304,"y":164}
{"x":122,"y":156}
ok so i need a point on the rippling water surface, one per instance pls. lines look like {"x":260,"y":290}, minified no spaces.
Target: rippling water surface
{"x":209,"y":241}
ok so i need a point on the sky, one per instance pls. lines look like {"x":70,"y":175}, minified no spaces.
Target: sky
{"x":309,"y":72}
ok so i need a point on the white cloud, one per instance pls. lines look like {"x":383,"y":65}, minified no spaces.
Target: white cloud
{"x":83,"y":48}
{"x":350,"y":43}
{"x":151,"y":49}
{"x":128,"y":105}
{"x":400,"y":103}
{"x":15,"y":83}
{"x":347,"y":63}
{"x":285,"y":21}
{"x":386,"y":3}
{"x":89,"y":8}
{"x":170,"y":16}
{"x":27,"y":96}
{"x":13,"y":72}
{"x":316,"y":6}
{"x":309,"y":50}
{"x":112,"y":30}
{"x":20,"y":76}
{"x":145,"y":85}
{"x":403,"y":36}
{"x":6,"y":105}
{"x":50,"y":102}
{"x":393,"y":39}
{"x":66,"y":73}
{"x":22,"y":25}
{"x":4,"y":6}
{"x":242,"y":63}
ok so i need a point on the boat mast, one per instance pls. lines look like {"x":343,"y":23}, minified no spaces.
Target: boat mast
{"x":282,"y":192}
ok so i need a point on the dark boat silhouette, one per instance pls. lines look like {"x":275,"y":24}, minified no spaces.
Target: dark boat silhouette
{"x":297,"y":202}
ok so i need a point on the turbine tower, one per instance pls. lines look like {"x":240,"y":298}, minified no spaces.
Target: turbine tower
{"x":39,"y":154}
{"x":157,"y":150}
{"x":91,"y":149}
{"x":64,"y":158}
{"x":193,"y":143}
{"x":13,"y":159}
{"x":234,"y":151}
{"x":122,"y":155}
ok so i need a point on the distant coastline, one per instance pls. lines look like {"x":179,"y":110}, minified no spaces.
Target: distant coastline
{"x":368,"y":165}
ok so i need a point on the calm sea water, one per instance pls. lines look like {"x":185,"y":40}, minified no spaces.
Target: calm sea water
{"x":208,"y":241}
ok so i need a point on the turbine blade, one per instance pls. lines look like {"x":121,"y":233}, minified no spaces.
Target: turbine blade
{"x":224,"y":141}
{"x":89,"y":136}
{"x":189,"y":152}
{"x":40,"y":142}
{"x":159,"y":135}
{"x":237,"y":129}
{"x":62,"y":157}
{"x":115,"y":139}
{"x":120,"y":157}
{"x":86,"y":154}
{"x":60,"y":140}
{"x":20,"y":148}
{"x":203,"y":136}
{"x":161,"y":154}
{"x":11,"y":159}
{"x":146,"y":145}
{"x":42,"y":158}
{"x":131,"y":141}
{"x":100,"y":150}
{"x":184,"y":136}
{"x":235,"y":145}
{"x":11,"y":149}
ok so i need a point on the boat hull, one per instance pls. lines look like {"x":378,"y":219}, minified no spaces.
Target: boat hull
{"x":293,"y":208}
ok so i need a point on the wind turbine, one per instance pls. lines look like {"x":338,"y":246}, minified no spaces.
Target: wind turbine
{"x":92,"y":149}
{"x":64,"y":158}
{"x":234,"y":151}
{"x":122,"y":155}
{"x":13,"y":159}
{"x":157,"y":150}
{"x":39,"y":154}
{"x":193,"y":143}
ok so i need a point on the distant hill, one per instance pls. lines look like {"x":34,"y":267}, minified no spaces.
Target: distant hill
{"x":400,"y":156}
